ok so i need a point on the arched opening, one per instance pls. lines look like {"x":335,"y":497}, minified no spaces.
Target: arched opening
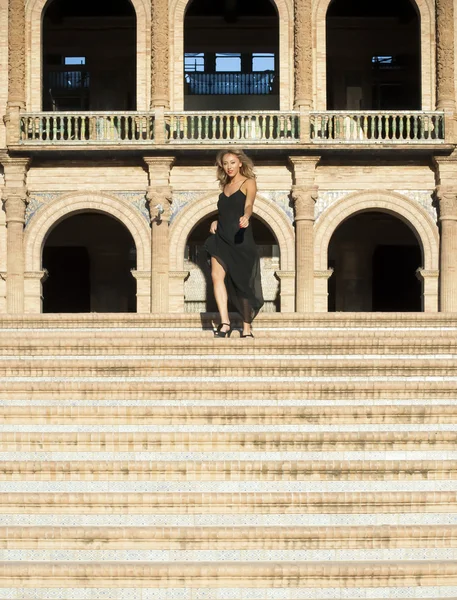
{"x":89,"y":257}
{"x":198,"y":289}
{"x":89,"y":55}
{"x":373,"y":55}
{"x":375,"y":256}
{"x":231,"y":55}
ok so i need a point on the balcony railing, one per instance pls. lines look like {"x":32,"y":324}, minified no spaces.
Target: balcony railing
{"x":213,"y":84}
{"x":370,"y":127}
{"x":336,"y":128}
{"x":59,"y":128}
{"x":247,"y":127}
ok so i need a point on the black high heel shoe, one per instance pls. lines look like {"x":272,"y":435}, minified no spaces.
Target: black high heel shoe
{"x":223,"y":334}
{"x":245,"y":335}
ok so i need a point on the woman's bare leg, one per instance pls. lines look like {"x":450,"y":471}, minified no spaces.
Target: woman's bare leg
{"x":246,"y":328}
{"x":220,"y":291}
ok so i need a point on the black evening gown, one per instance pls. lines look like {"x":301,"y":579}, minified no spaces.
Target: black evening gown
{"x":235,"y":249}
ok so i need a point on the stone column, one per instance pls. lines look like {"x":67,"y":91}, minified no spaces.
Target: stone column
{"x":159,"y":197}
{"x":14,"y":196}
{"x":303,"y":63}
{"x":304,"y":195}
{"x":304,"y":200}
{"x":445,"y":76}
{"x":160,"y":92}
{"x":16,"y":69}
{"x":447,"y":197}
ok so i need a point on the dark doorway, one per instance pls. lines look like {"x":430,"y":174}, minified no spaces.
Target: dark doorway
{"x":395,"y":285}
{"x":89,"y":258}
{"x":67,"y":289}
{"x":231,"y":55}
{"x":374,"y":257}
{"x":89,"y":55}
{"x":373,"y":55}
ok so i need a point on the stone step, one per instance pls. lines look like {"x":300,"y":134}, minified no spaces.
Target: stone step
{"x":227,"y":442}
{"x":229,"y":574}
{"x":228,"y":538}
{"x":229,"y":415}
{"x":179,"y":369}
{"x":233,"y":470}
{"x":232,"y":503}
{"x":397,"y":321}
{"x":219,"y":389}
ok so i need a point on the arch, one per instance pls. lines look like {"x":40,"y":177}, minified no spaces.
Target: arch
{"x":392,"y":203}
{"x":266,"y":210}
{"x":177,"y":13}
{"x":71,"y":204}
{"x":426,"y":11}
{"x":34,"y":41}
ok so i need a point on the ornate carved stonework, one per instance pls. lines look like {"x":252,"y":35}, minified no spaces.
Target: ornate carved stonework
{"x":447,"y":198}
{"x":303,"y":54}
{"x":159,"y":199}
{"x":304,"y":200}
{"x":445,"y":54}
{"x":15,"y":201}
{"x":16,"y":52}
{"x":159,"y":53}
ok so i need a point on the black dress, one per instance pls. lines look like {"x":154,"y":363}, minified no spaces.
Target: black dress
{"x":234,"y":248}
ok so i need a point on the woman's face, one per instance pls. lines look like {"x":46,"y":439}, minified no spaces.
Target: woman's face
{"x":231,"y":165}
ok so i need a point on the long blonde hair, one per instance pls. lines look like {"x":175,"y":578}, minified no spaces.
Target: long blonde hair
{"x":246,"y":169}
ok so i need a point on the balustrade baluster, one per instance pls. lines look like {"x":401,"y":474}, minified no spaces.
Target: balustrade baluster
{"x":271,"y":124}
{"x":401,"y":129}
{"x":421,"y":128}
{"x":416,"y":127}
{"x":214,"y":124}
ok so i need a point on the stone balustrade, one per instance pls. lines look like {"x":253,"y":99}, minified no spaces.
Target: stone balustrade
{"x":86,"y":128}
{"x":374,"y":127}
{"x":250,"y":128}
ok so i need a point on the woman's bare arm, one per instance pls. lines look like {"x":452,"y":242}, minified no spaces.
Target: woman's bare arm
{"x":250,"y":189}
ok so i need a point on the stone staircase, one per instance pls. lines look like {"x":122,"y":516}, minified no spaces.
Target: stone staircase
{"x":141,"y":459}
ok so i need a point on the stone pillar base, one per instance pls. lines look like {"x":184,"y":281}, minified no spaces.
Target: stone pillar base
{"x":176,"y":281}
{"x":286,"y":290}
{"x":321,"y":290}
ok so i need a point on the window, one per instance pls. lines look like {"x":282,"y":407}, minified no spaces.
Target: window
{"x":74,"y":60}
{"x":263,"y":61}
{"x":194,"y":62}
{"x":228,"y":62}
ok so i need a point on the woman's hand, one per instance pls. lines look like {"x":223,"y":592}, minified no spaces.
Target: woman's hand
{"x":213,"y":227}
{"x":244,"y":222}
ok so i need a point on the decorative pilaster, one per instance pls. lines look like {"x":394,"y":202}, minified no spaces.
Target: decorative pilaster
{"x":445,"y":76}
{"x":14,"y":196}
{"x":303,"y":54}
{"x":159,"y":48}
{"x":304,"y":195}
{"x":16,"y":68}
{"x":447,"y":197}
{"x":159,"y":197}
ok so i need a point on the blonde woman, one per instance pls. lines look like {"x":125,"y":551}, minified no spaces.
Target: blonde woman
{"x":235,"y":265}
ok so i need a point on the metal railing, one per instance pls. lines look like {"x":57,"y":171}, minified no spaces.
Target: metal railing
{"x":86,"y":128}
{"x":247,"y":127}
{"x":357,"y":127}
{"x":213,"y":84}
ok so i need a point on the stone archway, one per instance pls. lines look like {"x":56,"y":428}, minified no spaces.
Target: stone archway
{"x":412,"y":214}
{"x":427,"y":40}
{"x":266,"y":211}
{"x":176,"y":35}
{"x":51,"y":215}
{"x":33,"y":51}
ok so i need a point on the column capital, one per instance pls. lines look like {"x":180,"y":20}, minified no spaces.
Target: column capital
{"x":447,"y":199}
{"x":304,"y":200}
{"x":15,"y":202}
{"x":159,"y":202}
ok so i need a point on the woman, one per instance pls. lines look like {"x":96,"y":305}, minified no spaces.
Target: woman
{"x":235,"y":265}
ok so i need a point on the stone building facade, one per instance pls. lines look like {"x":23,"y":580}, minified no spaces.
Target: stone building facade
{"x":113,"y":116}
